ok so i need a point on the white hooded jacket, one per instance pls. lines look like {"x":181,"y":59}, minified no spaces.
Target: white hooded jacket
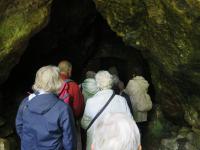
{"x":94,"y":105}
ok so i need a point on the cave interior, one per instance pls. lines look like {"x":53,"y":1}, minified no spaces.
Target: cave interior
{"x":77,"y":32}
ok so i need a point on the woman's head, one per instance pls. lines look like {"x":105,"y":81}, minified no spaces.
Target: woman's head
{"x":65,"y":67}
{"x":89,"y":88}
{"x":104,"y":79}
{"x":48,"y":79}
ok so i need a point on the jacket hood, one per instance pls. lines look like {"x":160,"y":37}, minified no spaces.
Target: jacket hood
{"x":41,"y":104}
{"x":137,"y":84}
{"x":141,"y":80}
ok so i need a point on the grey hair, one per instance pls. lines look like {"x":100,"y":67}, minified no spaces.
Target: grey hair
{"x":116,"y":131}
{"x":48,"y":79}
{"x":104,"y":79}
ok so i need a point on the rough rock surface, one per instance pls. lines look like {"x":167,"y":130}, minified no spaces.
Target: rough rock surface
{"x":184,"y":140}
{"x":19,"y":20}
{"x":4,"y":144}
{"x":168,"y":33}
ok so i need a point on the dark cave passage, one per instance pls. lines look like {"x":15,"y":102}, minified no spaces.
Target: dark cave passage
{"x":84,"y":39}
{"x":78,"y":33}
{"x":160,"y":40}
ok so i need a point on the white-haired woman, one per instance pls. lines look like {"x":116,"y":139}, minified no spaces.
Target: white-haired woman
{"x":43,"y":121}
{"x":127,"y":136}
{"x":104,"y":98}
{"x":89,"y":88}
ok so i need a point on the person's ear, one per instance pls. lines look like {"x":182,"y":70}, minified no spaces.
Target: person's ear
{"x":140,"y":147}
{"x":92,"y":147}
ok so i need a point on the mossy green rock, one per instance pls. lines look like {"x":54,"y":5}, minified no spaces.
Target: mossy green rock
{"x":4,"y":144}
{"x":19,"y":20}
{"x":168,"y":34}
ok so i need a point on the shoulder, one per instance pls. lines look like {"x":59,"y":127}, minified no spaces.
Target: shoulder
{"x":73,"y":84}
{"x":90,"y":100}
{"x":63,"y":109}
{"x":119,"y":97}
{"x":60,"y":104}
{"x":25,"y":100}
{"x":91,"y":103}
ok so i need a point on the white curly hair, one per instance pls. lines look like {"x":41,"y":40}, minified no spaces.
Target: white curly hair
{"x":104,"y":80}
{"x":116,"y":131}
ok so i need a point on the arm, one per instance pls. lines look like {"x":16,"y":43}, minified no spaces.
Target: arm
{"x":68,"y":126}
{"x":19,"y":120}
{"x":85,"y":121}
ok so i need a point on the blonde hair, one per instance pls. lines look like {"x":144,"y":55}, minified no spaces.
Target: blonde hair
{"x":65,"y":67}
{"x":104,"y":80}
{"x":116,"y":131}
{"x":48,"y":79}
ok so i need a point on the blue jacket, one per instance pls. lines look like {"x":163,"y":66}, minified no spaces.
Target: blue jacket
{"x":45,"y":123}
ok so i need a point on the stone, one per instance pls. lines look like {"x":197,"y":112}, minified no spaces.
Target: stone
{"x":20,"y":20}
{"x":2,"y":121}
{"x":4,"y":144}
{"x":192,"y":117}
{"x":5,"y":131}
{"x":14,"y":143}
{"x":167,"y":33}
{"x":169,"y":144}
{"x":185,"y":139}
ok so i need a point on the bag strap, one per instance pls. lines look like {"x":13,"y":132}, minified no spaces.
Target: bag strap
{"x":102,"y":109}
{"x":65,"y":86}
{"x":128,"y":100}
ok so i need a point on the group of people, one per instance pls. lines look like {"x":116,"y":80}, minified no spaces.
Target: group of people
{"x":50,"y":118}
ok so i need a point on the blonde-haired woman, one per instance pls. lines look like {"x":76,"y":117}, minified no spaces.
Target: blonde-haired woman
{"x":43,"y":121}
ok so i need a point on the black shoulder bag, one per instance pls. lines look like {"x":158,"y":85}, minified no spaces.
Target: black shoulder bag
{"x":102,"y":109}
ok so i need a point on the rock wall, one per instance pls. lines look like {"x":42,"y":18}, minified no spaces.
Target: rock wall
{"x":19,"y":20}
{"x":168,"y":33}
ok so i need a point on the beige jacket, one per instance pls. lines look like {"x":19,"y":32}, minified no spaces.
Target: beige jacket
{"x":137,"y":89}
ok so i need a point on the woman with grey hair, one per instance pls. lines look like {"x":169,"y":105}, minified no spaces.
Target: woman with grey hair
{"x":43,"y":121}
{"x":127,"y":136}
{"x":103,"y":102}
{"x":89,"y":88}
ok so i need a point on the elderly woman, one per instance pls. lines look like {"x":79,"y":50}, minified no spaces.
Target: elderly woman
{"x":89,"y":88}
{"x":105,"y":98}
{"x":137,"y":89}
{"x":43,"y":121}
{"x":127,"y":136}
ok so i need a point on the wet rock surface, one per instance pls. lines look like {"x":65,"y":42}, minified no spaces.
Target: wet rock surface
{"x":20,"y":20}
{"x":186,"y":139}
{"x":8,"y":138}
{"x":4,"y":144}
{"x":167,"y":33}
